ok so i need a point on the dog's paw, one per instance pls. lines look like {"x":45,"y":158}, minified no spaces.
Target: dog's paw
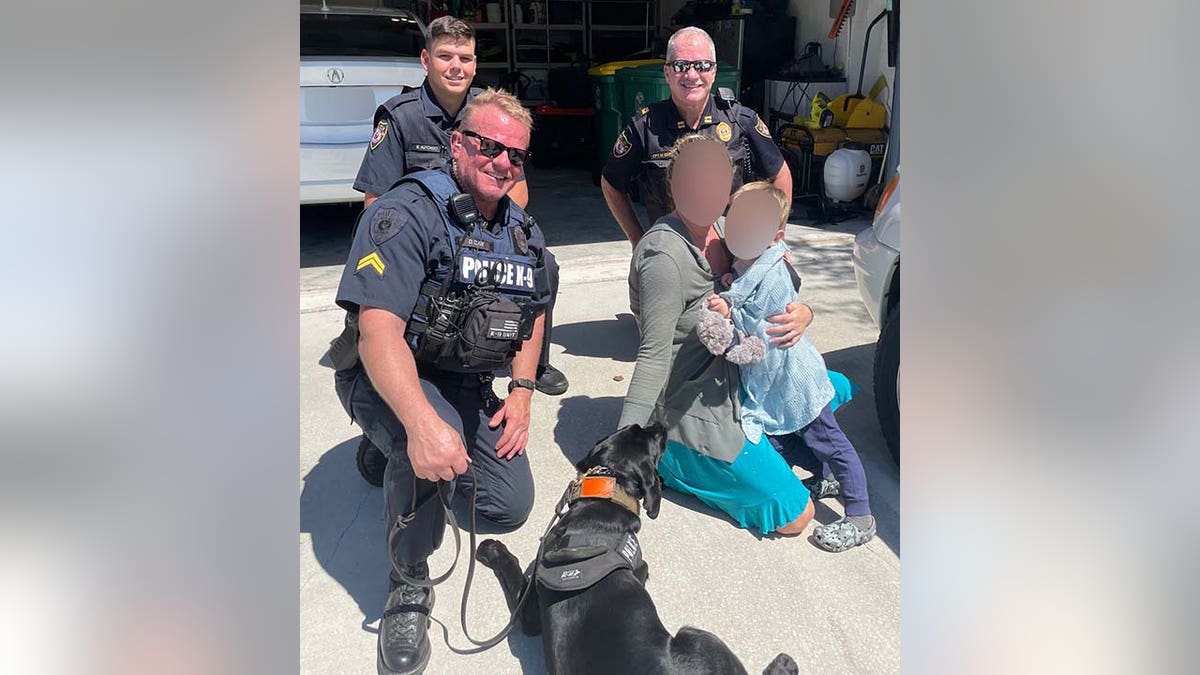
{"x":782,"y":665}
{"x":490,"y":552}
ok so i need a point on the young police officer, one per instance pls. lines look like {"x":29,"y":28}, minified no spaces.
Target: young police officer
{"x":449,"y":278}
{"x":412,"y":131}
{"x":642,"y":149}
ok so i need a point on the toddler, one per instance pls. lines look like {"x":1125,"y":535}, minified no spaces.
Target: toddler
{"x":786,"y":392}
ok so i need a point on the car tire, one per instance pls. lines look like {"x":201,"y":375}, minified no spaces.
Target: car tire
{"x":887,"y":371}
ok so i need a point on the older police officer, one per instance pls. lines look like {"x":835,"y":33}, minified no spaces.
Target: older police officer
{"x":642,"y":149}
{"x":449,"y":279}
{"x":412,"y":132}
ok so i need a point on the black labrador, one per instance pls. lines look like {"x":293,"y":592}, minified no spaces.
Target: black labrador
{"x":612,"y":626}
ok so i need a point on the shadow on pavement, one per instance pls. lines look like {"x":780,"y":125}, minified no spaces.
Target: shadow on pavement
{"x":344,"y":516}
{"x":615,"y":338}
{"x":861,"y":424}
{"x":583,"y":420}
{"x":325,"y":231}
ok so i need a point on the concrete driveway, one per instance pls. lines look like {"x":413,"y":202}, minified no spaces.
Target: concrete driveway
{"x":835,"y":613}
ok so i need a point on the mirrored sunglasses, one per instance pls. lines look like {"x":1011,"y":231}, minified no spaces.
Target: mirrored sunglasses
{"x":681,"y":66}
{"x":492,"y":148}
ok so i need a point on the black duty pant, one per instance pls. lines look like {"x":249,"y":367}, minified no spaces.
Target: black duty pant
{"x":505,"y":490}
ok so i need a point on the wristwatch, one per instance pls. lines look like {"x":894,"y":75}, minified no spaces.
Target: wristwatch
{"x":527,"y":384}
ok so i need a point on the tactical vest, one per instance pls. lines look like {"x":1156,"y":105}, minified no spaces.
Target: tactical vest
{"x":483,"y":289}
{"x":655,"y":187}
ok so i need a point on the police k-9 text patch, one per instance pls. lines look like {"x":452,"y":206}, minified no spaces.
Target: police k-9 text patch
{"x":508,"y":274}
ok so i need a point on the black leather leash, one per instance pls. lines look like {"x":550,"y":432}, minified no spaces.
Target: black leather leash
{"x":480,"y":645}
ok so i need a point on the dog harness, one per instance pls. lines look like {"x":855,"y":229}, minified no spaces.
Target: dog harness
{"x":585,"y":559}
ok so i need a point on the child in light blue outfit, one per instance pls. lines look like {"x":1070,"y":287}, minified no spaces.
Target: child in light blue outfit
{"x":786,"y":392}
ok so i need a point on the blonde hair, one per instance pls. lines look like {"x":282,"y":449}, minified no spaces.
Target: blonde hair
{"x":501,"y":99}
{"x":785,"y":204}
{"x":687,"y":140}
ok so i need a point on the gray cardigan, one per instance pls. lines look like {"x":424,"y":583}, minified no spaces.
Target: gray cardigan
{"x":676,"y":380}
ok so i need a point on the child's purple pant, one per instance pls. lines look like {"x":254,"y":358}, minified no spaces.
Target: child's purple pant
{"x":822,"y":442}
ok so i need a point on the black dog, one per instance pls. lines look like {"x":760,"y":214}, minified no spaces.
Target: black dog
{"x":610,"y":626}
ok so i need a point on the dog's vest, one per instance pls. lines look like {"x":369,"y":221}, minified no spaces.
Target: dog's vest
{"x":586,"y":559}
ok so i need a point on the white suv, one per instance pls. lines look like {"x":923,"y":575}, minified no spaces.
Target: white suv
{"x":351,"y":61}
{"x":877,"y":271}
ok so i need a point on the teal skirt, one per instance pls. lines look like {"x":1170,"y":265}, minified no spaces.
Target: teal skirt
{"x":758,"y":489}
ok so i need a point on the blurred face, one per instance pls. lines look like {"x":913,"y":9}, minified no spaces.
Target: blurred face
{"x":691,"y":87}
{"x":700,"y":178}
{"x":487,"y":179}
{"x":752,"y":225}
{"x":450,"y":67}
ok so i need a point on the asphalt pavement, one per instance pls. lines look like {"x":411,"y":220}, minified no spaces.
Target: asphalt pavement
{"x":834,"y":613}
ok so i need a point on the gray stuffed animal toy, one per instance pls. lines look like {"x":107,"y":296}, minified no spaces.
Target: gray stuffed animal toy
{"x":722,"y":338}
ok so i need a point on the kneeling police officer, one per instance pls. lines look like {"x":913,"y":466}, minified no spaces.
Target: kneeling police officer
{"x":449,"y":279}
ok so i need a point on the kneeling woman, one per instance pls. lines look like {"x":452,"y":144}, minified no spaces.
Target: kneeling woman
{"x":677,"y":381}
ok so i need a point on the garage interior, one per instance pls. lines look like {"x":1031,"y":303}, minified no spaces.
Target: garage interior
{"x":806,"y":67}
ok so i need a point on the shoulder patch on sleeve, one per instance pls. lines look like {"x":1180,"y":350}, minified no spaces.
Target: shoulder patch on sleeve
{"x":385,"y":224}
{"x":761,"y":127}
{"x":381,"y":130}
{"x":622,"y":146}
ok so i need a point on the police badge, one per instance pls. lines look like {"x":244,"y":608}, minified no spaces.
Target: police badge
{"x":622,"y":146}
{"x":380,"y":134}
{"x":724,"y":132}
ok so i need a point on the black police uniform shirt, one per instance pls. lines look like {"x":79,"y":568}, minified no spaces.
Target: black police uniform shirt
{"x":642,"y":148}
{"x":412,"y":132}
{"x":398,"y":238}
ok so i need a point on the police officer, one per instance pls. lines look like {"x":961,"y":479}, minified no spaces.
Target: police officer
{"x":642,"y":149}
{"x":449,"y":279}
{"x":412,"y":131}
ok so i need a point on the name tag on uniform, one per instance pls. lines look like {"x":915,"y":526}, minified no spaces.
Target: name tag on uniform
{"x":508,"y":274}
{"x":422,"y":147}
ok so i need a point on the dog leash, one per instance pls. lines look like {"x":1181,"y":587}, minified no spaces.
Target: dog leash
{"x":480,"y":645}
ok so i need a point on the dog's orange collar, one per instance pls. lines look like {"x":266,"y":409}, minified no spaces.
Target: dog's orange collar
{"x":599,"y":483}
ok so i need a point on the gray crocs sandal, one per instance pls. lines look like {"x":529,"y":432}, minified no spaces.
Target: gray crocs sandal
{"x":841,"y":535}
{"x":825,"y":487}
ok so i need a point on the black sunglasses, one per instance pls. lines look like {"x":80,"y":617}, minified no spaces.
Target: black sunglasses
{"x":492,"y":148}
{"x":681,"y":66}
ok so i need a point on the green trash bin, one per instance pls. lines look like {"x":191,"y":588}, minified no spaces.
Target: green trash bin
{"x":644,"y":85}
{"x":607,"y":102}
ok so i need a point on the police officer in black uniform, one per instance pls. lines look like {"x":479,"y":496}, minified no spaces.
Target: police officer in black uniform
{"x":412,"y":131}
{"x":449,"y":279}
{"x":641,"y":151}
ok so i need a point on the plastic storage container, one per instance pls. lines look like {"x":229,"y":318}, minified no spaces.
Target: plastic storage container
{"x":607,"y":102}
{"x":641,"y":86}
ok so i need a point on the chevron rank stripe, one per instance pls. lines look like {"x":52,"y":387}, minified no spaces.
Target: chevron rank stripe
{"x":373,"y":261}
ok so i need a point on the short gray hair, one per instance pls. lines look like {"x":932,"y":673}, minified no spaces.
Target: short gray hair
{"x":693,"y":32}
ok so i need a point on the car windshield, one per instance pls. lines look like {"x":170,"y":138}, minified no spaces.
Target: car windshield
{"x":359,"y":35}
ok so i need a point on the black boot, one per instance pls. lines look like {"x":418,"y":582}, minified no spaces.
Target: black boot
{"x":403,"y":631}
{"x":371,"y":462}
{"x":551,"y":381}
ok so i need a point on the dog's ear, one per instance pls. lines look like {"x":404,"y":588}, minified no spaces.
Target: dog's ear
{"x":653,"y":499}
